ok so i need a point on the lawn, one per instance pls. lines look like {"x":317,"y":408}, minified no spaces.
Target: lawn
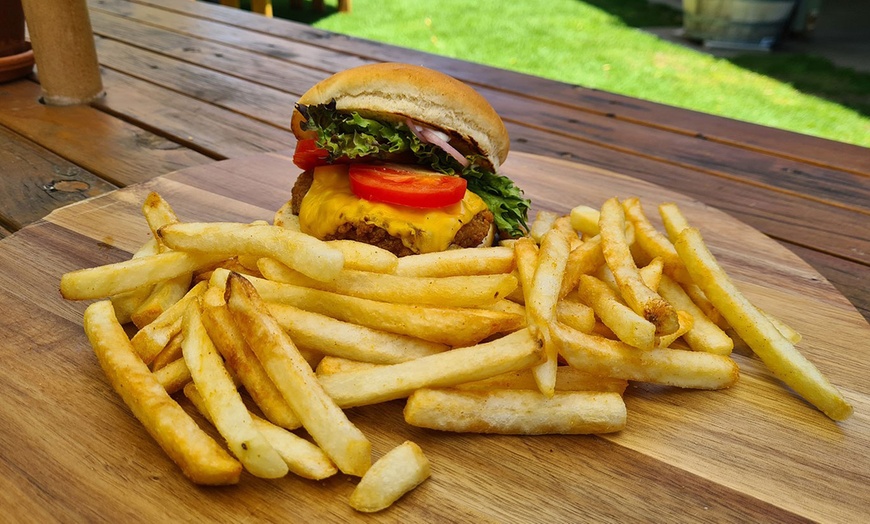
{"x":597,"y":44}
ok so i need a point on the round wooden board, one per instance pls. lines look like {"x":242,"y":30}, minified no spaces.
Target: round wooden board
{"x":753,"y":452}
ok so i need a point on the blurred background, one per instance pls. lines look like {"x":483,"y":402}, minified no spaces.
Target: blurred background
{"x":801,"y":65}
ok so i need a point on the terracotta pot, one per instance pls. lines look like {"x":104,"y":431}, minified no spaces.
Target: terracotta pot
{"x":16,"y":56}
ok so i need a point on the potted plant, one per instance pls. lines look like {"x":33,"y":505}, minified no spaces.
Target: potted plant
{"x":737,"y":24}
{"x":16,"y":55}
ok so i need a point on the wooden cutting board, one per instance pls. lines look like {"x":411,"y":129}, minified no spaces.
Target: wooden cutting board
{"x":73,"y":452}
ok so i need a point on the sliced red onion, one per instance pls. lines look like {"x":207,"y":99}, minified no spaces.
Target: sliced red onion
{"x":437,"y":138}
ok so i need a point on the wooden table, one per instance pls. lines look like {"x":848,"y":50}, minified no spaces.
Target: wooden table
{"x":189,"y":84}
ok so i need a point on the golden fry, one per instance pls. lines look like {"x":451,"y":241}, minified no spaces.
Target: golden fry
{"x":399,"y":471}
{"x":451,"y":326}
{"x":512,"y":352}
{"x":302,"y":252}
{"x":516,"y":412}
{"x":627,"y":325}
{"x":222,"y":402}
{"x":200,"y":458}
{"x":777,"y":353}
{"x":457,"y":291}
{"x":453,"y":262}
{"x":327,"y":424}
{"x":669,"y":367}
{"x":637,"y":295}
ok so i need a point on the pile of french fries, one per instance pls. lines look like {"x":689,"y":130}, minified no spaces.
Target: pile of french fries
{"x":268,"y":332}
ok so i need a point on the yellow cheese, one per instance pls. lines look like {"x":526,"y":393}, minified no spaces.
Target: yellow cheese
{"x":330,"y":203}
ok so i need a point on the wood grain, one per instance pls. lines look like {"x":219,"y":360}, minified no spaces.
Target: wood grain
{"x":82,"y":135}
{"x":751,"y":453}
{"x":35,"y":182}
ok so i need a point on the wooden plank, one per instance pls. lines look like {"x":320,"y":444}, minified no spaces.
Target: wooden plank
{"x":82,"y":135}
{"x":36,"y":181}
{"x":844,"y":189}
{"x":848,"y":277}
{"x":193,"y":123}
{"x":793,"y":146}
{"x":753,"y":452}
{"x":258,"y":68}
{"x":236,"y":94}
{"x":301,"y":53}
{"x":780,"y":215}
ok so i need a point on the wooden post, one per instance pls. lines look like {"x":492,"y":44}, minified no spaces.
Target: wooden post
{"x":63,"y":45}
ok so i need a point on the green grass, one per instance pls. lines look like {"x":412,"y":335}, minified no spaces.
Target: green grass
{"x":596,"y":43}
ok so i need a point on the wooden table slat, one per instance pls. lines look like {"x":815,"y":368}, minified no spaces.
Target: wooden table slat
{"x":83,"y":135}
{"x":35,"y":181}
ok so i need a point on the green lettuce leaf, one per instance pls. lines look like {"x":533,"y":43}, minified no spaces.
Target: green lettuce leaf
{"x":349,"y":135}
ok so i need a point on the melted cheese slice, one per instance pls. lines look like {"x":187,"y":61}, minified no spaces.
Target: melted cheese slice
{"x":330,"y":203}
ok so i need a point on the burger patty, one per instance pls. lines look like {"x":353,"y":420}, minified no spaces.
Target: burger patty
{"x":469,"y":235}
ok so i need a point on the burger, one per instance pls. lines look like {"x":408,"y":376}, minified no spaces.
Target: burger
{"x":405,"y":158}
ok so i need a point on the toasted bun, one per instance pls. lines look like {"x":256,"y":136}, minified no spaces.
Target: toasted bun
{"x":393,"y":92}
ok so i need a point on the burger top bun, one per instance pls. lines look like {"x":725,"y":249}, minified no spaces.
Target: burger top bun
{"x":394,"y":92}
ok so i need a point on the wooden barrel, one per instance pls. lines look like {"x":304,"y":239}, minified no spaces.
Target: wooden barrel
{"x":745,"y":24}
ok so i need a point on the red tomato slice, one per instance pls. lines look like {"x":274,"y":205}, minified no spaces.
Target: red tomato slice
{"x":405,"y":187}
{"x":308,"y":155}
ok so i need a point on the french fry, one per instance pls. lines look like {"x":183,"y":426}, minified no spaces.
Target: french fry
{"x":450,"y":326}
{"x":453,"y":262}
{"x":585,"y":219}
{"x":669,"y":367}
{"x":457,"y":291}
{"x":285,"y":218}
{"x":637,"y":295}
{"x":652,"y":241}
{"x":344,"y":339}
{"x":584,"y":259}
{"x":575,"y":314}
{"x":302,"y":457}
{"x":109,"y":280}
{"x":173,"y":376}
{"x":160,"y":299}
{"x":302,"y":252}
{"x":201,"y":459}
{"x":328,"y":425}
{"x":705,"y":335}
{"x":383,"y":383}
{"x":170,"y":353}
{"x":365,"y":257}
{"x":627,"y":325}
{"x":674,"y":221}
{"x":542,"y":223}
{"x":153,"y":338}
{"x":399,"y":471}
{"x":158,"y":213}
{"x":516,"y":412}
{"x":777,"y":353}
{"x":126,"y":303}
{"x":687,"y":323}
{"x":541,"y":303}
{"x":651,"y":273}
{"x":223,"y":403}
{"x":567,"y":379}
{"x":334,"y":365}
{"x":790,"y":333}
{"x":239,"y":358}
{"x":563,"y":224}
